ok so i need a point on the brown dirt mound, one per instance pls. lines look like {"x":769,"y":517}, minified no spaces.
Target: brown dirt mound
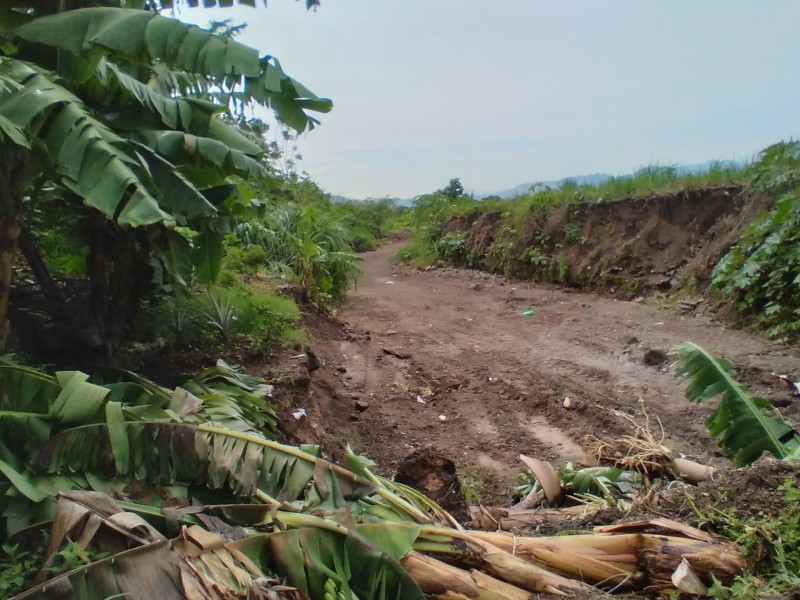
{"x":747,"y":493}
{"x":660,"y":242}
{"x":626,"y":247}
{"x":433,"y":474}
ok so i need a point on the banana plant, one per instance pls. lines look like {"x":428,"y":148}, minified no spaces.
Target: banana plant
{"x":119,"y":107}
{"x":156,"y":494}
{"x":744,"y":426}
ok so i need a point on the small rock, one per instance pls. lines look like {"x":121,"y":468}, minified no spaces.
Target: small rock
{"x":443,"y":418}
{"x":361,"y":405}
{"x":687,"y":306}
{"x":397,"y":353}
{"x":476,"y":286}
{"x":341,"y":369}
{"x":312,"y":362}
{"x":655,"y":357}
{"x":567,"y":402}
{"x":355,"y":417}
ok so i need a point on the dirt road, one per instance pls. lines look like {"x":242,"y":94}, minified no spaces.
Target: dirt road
{"x":450,"y":361}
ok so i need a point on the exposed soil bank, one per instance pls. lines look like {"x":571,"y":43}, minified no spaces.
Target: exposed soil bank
{"x":622,"y":248}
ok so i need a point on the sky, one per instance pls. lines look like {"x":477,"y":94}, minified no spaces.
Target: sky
{"x":501,"y":92}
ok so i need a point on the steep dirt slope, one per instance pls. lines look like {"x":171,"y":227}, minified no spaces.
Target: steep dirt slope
{"x":622,"y":248}
{"x":445,"y":358}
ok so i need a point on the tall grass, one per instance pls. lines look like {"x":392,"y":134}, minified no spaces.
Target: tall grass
{"x":530,"y":210}
{"x":308,"y":245}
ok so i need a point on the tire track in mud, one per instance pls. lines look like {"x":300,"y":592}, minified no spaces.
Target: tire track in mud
{"x":499,"y":379}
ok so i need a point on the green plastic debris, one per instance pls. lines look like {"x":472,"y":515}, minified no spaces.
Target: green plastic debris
{"x":528,"y":313}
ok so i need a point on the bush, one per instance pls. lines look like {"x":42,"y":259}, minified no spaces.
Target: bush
{"x":306,"y":244}
{"x":762,"y":271}
{"x":263,"y":320}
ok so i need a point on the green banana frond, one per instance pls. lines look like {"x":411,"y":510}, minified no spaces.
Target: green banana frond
{"x":145,"y":38}
{"x":201,"y":455}
{"x":361,"y":560}
{"x":184,"y":149}
{"x":90,"y":159}
{"x":741,"y":423}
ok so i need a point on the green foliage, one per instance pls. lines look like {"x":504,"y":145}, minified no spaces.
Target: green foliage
{"x":452,"y":247}
{"x":740,"y":423}
{"x":417,"y":252}
{"x":308,"y":244}
{"x":220,"y":312}
{"x":368,"y":221}
{"x":770,"y":543}
{"x":563,"y":269}
{"x":264,"y":321}
{"x":472,"y":488}
{"x":572,"y":233}
{"x":600,"y":482}
{"x":428,"y":217}
{"x":117,"y":111}
{"x":762,"y":271}
{"x":70,"y":416}
{"x":17,"y":569}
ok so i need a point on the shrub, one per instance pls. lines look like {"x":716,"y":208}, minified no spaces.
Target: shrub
{"x":762,"y":271}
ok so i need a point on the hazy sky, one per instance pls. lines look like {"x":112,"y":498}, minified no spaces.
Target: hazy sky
{"x":501,"y":92}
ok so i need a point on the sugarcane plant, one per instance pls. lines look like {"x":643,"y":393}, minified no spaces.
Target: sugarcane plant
{"x":183,"y":494}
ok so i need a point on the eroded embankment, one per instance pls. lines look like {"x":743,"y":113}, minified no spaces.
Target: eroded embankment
{"x":623,"y":248}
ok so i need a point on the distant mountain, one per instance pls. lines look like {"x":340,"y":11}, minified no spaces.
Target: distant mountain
{"x":524,"y":188}
{"x":598,"y":178}
{"x":337,"y":199}
{"x":593,"y":179}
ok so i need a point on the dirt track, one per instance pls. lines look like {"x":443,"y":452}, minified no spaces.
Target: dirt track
{"x":499,"y":378}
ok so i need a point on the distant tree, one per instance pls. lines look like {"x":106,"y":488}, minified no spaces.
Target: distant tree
{"x":454,"y":189}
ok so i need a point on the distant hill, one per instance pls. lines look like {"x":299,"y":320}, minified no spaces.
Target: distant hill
{"x":598,"y":178}
{"x":524,"y":188}
{"x":593,"y":179}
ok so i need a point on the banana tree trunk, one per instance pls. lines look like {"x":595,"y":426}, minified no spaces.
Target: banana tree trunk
{"x":10,"y":229}
{"x":35,"y":261}
{"x":98,"y":268}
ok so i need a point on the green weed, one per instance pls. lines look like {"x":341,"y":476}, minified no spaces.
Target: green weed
{"x":572,"y":234}
{"x":770,"y":543}
{"x":17,"y":569}
{"x":762,"y":271}
{"x":472,"y":488}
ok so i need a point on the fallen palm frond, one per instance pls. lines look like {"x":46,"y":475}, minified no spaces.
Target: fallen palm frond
{"x":741,"y":423}
{"x":205,"y":511}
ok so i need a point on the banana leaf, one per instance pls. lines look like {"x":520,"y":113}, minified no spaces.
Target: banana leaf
{"x":741,"y":423}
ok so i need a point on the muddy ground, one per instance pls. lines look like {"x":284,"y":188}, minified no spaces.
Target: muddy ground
{"x":445,"y":358}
